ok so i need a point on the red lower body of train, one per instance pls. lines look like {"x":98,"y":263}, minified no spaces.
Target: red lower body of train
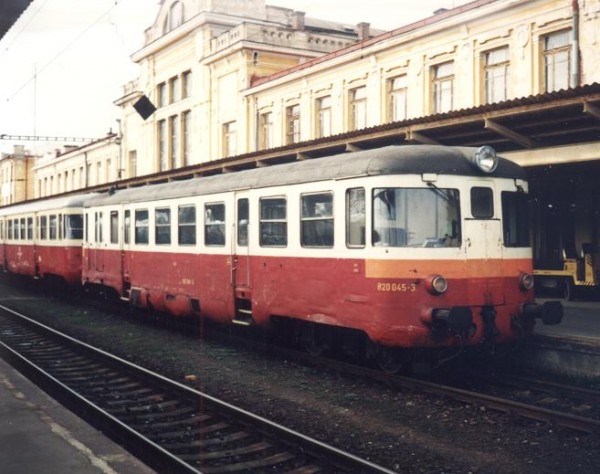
{"x":390,"y":301}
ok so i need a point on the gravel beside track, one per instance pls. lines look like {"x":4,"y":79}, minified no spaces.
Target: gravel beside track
{"x":401,"y":430}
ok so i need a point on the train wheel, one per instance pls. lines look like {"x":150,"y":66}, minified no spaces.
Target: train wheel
{"x":312,"y":340}
{"x":392,"y":360}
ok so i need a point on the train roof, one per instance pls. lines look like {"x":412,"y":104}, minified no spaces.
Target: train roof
{"x":61,"y":202}
{"x":408,"y":159}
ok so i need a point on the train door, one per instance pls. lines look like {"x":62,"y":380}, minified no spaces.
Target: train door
{"x":125,"y":250}
{"x":482,"y":240}
{"x":240,"y":260}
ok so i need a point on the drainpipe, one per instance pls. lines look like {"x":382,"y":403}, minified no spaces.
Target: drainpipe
{"x":575,"y":63}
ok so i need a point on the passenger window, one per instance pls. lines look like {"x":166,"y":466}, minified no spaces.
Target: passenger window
{"x":43,"y":227}
{"x":355,"y":217}
{"x":23,"y":229}
{"x":126,"y":226}
{"x":52,"y":228}
{"x":98,"y":227}
{"x":141,"y":226}
{"x":273,"y":222}
{"x":187,"y":225}
{"x":214,"y":224}
{"x":30,"y":228}
{"x":162,"y":226}
{"x":316,"y":220}
{"x":482,"y":203}
{"x":242,"y":222}
{"x":74,"y":226}
{"x":114,"y":227}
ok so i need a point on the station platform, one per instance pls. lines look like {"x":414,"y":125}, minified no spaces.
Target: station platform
{"x":38,"y":435}
{"x":581,"y":320}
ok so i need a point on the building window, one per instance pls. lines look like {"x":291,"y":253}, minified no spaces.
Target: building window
{"x":174,"y":90}
{"x":266,"y":131}
{"x":323,"y":106}
{"x":162,"y":94}
{"x":214,"y":224}
{"x":557,"y":60}
{"x":186,"y":85}
{"x":292,"y":124}
{"x":187,"y":225}
{"x":186,"y":122}
{"x":398,"y":109}
{"x":316,"y":220}
{"x":273,"y":222}
{"x":162,"y":145}
{"x":229,"y":139}
{"x":173,"y":142}
{"x":132,"y":164}
{"x":358,"y":108}
{"x":496,"y":75}
{"x":162,"y":226}
{"x":443,"y":87}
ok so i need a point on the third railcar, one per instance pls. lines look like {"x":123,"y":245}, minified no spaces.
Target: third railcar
{"x":409,"y":246}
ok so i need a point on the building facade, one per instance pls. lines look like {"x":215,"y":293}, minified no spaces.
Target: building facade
{"x":79,"y":167}
{"x":16,"y":176}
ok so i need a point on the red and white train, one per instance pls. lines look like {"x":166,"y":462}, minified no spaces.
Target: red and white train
{"x":387,"y":249}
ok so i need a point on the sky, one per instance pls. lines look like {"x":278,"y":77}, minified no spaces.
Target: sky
{"x":64,"y":62}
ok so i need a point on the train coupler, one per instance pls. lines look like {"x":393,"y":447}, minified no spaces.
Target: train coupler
{"x":551,"y":312}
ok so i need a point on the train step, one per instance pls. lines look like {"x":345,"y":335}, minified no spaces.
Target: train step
{"x":243,"y":317}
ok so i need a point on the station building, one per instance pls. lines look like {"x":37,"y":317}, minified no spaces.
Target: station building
{"x":241,"y":83}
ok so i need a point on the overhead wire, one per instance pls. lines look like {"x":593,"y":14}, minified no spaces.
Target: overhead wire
{"x":57,"y":55}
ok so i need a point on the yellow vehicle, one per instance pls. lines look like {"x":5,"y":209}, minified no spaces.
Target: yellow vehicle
{"x":574,"y":276}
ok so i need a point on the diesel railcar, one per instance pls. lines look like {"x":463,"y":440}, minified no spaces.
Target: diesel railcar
{"x":387,"y":249}
{"x":43,"y":239}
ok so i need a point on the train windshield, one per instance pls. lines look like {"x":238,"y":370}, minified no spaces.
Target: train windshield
{"x":74,"y":226}
{"x":515,"y":219}
{"x":416,"y":217}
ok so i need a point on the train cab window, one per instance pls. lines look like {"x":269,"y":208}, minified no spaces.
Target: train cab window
{"x":98,"y":227}
{"x":30,"y":228}
{"x":52,"y":228}
{"x":74,"y":226}
{"x":126,"y":226}
{"x":515,"y":219}
{"x":355,"y":218}
{"x":214,"y":224}
{"x":416,"y":217}
{"x":186,"y":225}
{"x":141,"y":226}
{"x":162,"y":226}
{"x":273,"y":222}
{"x":316,"y":220}
{"x":242,"y":222}
{"x":43,"y":227}
{"x":482,"y":202}
{"x":114,"y":227}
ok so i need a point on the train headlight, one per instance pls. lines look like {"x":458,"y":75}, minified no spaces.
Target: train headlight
{"x":486,"y":159}
{"x":526,"y":281}
{"x":436,"y":284}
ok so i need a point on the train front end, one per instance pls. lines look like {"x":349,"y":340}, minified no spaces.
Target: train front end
{"x":456,"y":268}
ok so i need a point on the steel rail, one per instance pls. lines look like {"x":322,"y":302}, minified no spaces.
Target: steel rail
{"x":148,"y":450}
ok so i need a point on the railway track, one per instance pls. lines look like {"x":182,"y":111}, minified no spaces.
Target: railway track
{"x":170,"y":426}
